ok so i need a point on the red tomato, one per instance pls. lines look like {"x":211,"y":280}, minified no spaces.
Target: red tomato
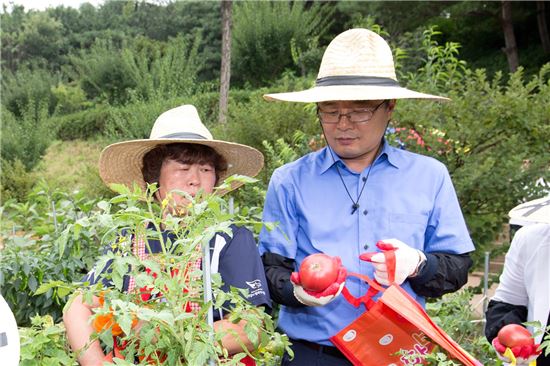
{"x":513,"y":335}
{"x":318,"y":271}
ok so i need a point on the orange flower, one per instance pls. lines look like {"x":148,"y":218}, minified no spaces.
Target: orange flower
{"x":101,"y":298}
{"x":104,"y":322}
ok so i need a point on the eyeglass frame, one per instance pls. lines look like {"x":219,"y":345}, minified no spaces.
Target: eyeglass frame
{"x":348,"y":115}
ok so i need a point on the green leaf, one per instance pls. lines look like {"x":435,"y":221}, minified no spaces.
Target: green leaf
{"x":166,"y":316}
{"x":48,"y":286}
{"x":32,"y":283}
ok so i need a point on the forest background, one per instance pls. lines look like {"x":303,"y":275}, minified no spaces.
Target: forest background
{"x":76,"y":80}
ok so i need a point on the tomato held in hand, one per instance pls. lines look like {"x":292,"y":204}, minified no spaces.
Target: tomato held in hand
{"x":318,"y":271}
{"x":513,"y":335}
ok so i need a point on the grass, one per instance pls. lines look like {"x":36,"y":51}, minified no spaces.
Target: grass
{"x":73,"y":165}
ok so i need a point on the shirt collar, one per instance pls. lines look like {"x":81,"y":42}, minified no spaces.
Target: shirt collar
{"x":387,"y":153}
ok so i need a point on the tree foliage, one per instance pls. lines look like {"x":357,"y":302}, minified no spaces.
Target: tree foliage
{"x":264,"y":33}
{"x":491,"y":136}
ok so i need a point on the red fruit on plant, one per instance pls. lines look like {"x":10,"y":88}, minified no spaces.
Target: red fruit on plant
{"x":318,"y":271}
{"x":513,"y":335}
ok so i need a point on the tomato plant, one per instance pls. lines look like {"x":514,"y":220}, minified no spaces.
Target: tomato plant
{"x":513,"y":335}
{"x":318,"y":271}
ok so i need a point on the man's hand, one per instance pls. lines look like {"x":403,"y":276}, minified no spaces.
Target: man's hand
{"x":519,"y":356}
{"x":407,"y":261}
{"x":310,"y":298}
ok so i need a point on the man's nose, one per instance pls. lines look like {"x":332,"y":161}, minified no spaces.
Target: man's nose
{"x":193,"y":177}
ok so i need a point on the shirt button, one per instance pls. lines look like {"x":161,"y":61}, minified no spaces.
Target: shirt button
{"x":365,"y":212}
{"x":366,"y":246}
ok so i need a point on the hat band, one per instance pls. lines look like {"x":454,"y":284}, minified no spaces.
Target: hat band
{"x":355,"y":80}
{"x":183,"y":136}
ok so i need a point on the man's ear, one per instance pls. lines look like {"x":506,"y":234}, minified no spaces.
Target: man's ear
{"x":391,"y":105}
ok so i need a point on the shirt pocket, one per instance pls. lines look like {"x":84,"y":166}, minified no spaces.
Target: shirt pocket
{"x":409,"y":228}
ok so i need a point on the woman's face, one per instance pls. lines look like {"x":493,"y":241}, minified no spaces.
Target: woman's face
{"x":189,"y":178}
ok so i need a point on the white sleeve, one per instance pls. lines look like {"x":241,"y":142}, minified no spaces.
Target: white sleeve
{"x":511,"y":288}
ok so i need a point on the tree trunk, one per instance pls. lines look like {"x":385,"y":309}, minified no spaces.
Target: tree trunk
{"x":225,"y":73}
{"x":511,"y":49}
{"x":543,"y":27}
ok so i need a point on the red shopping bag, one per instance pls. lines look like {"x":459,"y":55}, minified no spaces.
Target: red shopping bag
{"x":395,"y":330}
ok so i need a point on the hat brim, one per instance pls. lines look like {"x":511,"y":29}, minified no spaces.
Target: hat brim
{"x":122,"y":162}
{"x":535,"y":211}
{"x":350,"y":92}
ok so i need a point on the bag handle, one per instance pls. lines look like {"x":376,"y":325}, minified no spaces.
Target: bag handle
{"x":374,"y":286}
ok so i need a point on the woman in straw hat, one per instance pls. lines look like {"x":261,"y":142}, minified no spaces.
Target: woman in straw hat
{"x":358,"y":194}
{"x":180,"y":155}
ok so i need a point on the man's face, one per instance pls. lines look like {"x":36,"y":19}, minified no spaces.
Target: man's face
{"x":356,"y":142}
{"x":189,"y":178}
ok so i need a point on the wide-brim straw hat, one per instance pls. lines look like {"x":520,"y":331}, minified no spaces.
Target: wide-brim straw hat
{"x":357,"y":65}
{"x":122,"y":162}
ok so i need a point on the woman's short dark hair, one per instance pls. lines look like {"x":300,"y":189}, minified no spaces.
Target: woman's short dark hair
{"x":183,"y":153}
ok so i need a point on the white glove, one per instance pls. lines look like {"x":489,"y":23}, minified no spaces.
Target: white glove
{"x":407,"y":261}
{"x":310,"y":300}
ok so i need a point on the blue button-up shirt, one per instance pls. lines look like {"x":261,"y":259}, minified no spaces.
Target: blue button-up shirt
{"x":407,"y":196}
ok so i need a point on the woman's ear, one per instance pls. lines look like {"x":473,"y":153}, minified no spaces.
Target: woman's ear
{"x":157,"y":195}
{"x":391,"y":105}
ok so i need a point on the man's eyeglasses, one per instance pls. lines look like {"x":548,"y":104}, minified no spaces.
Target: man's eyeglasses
{"x":355,"y":116}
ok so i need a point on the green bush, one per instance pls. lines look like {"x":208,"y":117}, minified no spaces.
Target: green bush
{"x":37,"y":248}
{"x":102,"y":73}
{"x":26,"y":86}
{"x":70,"y":98}
{"x":84,"y":124}
{"x":15,"y":181}
{"x":265,"y":35}
{"x":164,"y":72}
{"x":26,"y":138}
{"x":138,"y":70}
{"x":44,"y":343}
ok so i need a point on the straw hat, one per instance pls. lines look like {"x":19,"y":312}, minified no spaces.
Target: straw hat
{"x":357,"y":65}
{"x":122,"y":162}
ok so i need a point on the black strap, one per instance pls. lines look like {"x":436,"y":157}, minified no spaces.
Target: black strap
{"x":355,"y":80}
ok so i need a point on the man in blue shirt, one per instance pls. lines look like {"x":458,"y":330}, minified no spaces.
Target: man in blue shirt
{"x":345,"y":198}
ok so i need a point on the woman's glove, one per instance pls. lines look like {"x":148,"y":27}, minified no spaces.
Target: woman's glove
{"x":516,"y":356}
{"x":407,"y":261}
{"x":311,"y":298}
